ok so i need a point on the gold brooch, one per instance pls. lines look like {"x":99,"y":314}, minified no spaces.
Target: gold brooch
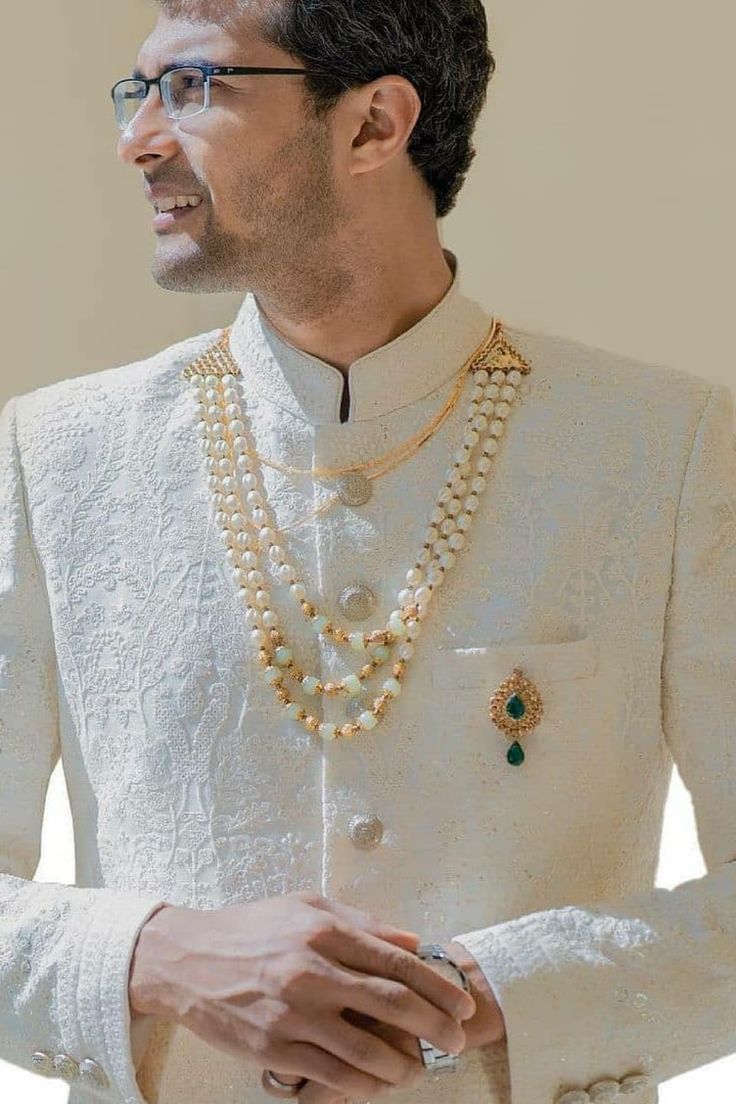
{"x":516,"y":708}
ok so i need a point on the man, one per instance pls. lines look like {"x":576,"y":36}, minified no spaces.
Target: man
{"x":197,"y":548}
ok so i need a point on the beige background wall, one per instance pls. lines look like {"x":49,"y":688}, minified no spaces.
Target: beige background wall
{"x":599,"y":207}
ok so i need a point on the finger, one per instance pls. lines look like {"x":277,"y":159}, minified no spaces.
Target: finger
{"x":368,"y":921}
{"x":323,"y":1066}
{"x":316,"y":1093}
{"x":377,"y":989}
{"x":364,"y":1050}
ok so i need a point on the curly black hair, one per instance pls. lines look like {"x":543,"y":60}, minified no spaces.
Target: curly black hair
{"x":440,"y":46}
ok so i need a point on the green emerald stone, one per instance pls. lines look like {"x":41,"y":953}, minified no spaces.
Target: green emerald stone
{"x":515,"y":707}
{"x":515,"y":754}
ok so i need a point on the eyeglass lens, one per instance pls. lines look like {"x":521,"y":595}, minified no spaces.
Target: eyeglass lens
{"x":182,"y":91}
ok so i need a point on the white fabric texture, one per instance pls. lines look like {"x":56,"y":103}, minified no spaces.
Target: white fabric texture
{"x":602,"y":560}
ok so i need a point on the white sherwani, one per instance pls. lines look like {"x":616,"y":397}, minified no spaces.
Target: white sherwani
{"x":602,"y":560}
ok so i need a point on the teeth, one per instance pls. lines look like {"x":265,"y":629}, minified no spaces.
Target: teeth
{"x":178,"y":201}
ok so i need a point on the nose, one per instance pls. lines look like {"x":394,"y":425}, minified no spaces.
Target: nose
{"x":149,"y":132}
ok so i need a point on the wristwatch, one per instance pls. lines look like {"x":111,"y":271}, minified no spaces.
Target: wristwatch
{"x":434,"y":1059}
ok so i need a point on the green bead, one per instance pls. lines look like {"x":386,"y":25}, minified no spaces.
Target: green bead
{"x":515,"y":754}
{"x":515,"y":707}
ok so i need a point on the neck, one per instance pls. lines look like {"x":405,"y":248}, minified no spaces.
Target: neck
{"x":383,"y":303}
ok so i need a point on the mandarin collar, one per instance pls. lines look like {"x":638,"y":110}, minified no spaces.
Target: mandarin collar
{"x":396,"y":374}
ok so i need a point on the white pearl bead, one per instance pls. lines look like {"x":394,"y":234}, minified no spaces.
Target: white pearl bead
{"x":259,"y":637}
{"x":242,"y":539}
{"x":226,"y":536}
{"x":471,"y":504}
{"x":396,"y":623}
{"x":460,"y":456}
{"x":437,"y":515}
{"x":447,"y":527}
{"x":220,"y":448}
{"x":492,"y":391}
{"x":260,"y":517}
{"x":270,"y":619}
{"x":483,"y":465}
{"x":457,"y":541}
{"x":299,"y":591}
{"x":327,"y":730}
{"x":481,"y":376}
{"x":292,"y":709}
{"x":256,"y":579}
{"x":514,"y":377}
{"x":240,"y":444}
{"x":238,"y":521}
{"x":223,"y":467}
{"x":435,"y":575}
{"x":267,"y":536}
{"x":277,"y":554}
{"x":447,"y":559}
{"x":352,"y":684}
{"x":440,"y":546}
{"x":476,"y":393}
{"x":250,"y":559}
{"x":392,"y":686}
{"x":498,"y":376}
{"x":228,"y":484}
{"x":283,"y":656}
{"x":367,"y":720}
{"x":262,"y":598}
{"x":406,"y":650}
{"x":237,"y":427}
{"x":453,"y":507}
{"x":487,"y":407}
{"x":459,"y":487}
{"x":497,"y":427}
{"x":254,"y":498}
{"x":471,"y":437}
{"x":309,"y":685}
{"x":286,"y":573}
{"x":502,"y":410}
{"x":508,"y":394}
{"x":490,"y":446}
{"x":431,"y":535}
{"x":479,"y":422}
{"x":414,"y":576}
{"x":464,"y":522}
{"x":423,"y":594}
{"x":424,"y":556}
{"x":272,"y":675}
{"x":478,"y":484}
{"x":405,"y":597}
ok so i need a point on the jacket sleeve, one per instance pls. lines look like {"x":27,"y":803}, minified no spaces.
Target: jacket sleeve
{"x":65,"y":951}
{"x":617,"y":996}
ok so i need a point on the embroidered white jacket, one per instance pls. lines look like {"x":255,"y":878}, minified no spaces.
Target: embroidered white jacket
{"x":602,"y":560}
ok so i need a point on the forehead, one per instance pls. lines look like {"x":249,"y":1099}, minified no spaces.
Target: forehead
{"x":176,"y":41}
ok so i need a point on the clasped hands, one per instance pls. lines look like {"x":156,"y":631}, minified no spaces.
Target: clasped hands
{"x":483,"y":1027}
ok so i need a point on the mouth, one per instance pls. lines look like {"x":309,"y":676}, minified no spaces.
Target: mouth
{"x":165,"y":219}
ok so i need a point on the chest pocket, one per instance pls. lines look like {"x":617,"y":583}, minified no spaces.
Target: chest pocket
{"x":576,"y":731}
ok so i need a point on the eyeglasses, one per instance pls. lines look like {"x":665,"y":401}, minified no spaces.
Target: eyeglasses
{"x":185,"y":90}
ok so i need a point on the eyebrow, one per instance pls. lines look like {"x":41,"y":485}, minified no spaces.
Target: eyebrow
{"x":138,"y":74}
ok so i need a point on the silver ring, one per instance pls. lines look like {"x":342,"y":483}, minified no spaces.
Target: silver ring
{"x":278,"y":1088}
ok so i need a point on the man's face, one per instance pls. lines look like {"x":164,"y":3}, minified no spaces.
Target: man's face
{"x":260,"y":161}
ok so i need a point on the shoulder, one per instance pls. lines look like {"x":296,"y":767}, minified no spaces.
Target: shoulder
{"x":605,"y":384}
{"x":157,"y":374}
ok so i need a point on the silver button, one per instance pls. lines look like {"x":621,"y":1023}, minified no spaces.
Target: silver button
{"x":43,"y":1063}
{"x":93,"y":1073}
{"x":634,"y":1083}
{"x":573,"y":1096}
{"x":354,"y":489}
{"x":66,"y":1067}
{"x":366,"y":830}
{"x":357,"y":602}
{"x":603,"y":1091}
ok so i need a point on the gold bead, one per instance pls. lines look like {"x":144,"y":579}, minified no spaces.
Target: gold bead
{"x":332,"y":688}
{"x":282,"y":695}
{"x":342,"y":636}
{"x":367,"y":671}
{"x":301,"y":715}
{"x":308,"y":608}
{"x":349,"y":729}
{"x":312,"y":723}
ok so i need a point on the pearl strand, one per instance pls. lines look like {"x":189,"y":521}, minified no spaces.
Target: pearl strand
{"x":450,"y":522}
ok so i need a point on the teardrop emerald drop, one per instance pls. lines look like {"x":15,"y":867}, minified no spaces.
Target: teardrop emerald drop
{"x":515,"y":707}
{"x":515,"y":754}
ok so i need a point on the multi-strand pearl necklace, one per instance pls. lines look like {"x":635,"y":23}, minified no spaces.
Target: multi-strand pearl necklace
{"x":247,"y":530}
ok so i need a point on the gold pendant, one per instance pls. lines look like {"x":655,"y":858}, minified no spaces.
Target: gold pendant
{"x":516,"y":708}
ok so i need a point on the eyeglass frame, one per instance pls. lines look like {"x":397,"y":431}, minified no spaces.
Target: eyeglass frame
{"x":207,"y":72}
